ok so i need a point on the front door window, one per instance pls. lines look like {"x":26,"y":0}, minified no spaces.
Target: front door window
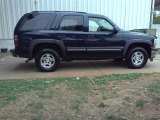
{"x":99,"y":25}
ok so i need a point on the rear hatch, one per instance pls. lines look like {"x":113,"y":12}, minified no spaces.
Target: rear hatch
{"x":29,"y":24}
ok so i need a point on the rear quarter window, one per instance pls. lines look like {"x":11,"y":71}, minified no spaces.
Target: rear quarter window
{"x":38,"y":22}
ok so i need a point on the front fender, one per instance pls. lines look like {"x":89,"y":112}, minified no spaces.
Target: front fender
{"x":135,"y":41}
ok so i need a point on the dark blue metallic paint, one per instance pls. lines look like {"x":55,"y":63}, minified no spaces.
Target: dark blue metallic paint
{"x":82,"y":45}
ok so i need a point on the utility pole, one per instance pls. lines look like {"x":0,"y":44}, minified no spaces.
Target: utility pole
{"x":151,"y":13}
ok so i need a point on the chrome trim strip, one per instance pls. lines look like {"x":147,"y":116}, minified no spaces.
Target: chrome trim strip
{"x":76,"y":49}
{"x":94,"y":49}
{"x":107,"y":49}
{"x":70,"y":49}
{"x":118,"y":47}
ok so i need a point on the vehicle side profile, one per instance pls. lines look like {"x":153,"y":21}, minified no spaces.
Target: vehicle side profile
{"x":51,"y":37}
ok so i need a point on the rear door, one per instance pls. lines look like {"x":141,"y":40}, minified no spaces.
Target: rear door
{"x":71,"y":32}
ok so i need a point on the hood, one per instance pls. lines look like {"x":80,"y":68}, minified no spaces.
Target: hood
{"x":138,"y":35}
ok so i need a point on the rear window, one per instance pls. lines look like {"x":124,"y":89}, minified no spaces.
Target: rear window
{"x":38,"y":21}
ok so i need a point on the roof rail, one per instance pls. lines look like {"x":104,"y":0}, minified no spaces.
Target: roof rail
{"x":60,"y":11}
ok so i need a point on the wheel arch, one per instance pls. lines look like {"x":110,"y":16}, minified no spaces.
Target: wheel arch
{"x":146,"y":44}
{"x":38,"y":44}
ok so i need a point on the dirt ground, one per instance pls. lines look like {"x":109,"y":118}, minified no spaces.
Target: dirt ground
{"x":16,"y":68}
{"x":136,"y":99}
{"x":2,"y":55}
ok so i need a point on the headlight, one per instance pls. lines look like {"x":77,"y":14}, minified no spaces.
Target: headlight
{"x":154,"y":43}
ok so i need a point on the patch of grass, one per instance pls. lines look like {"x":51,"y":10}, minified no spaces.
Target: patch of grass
{"x":46,"y":95}
{"x":127,"y":99}
{"x":102,"y":105}
{"x":3,"y":103}
{"x":106,"y":79}
{"x":72,"y":98}
{"x":112,"y":117}
{"x":38,"y":116}
{"x":81,"y":86}
{"x":154,"y":87}
{"x":3,"y":118}
{"x":11,"y":89}
{"x":75,"y":105}
{"x":104,"y":98}
{"x":140,"y":103}
{"x":153,"y":119}
{"x":36,"y":105}
{"x":155,"y":100}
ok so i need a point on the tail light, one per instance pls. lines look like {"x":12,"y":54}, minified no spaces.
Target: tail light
{"x":15,"y":41}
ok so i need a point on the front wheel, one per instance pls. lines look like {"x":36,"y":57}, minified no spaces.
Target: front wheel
{"x":136,"y":58}
{"x":47,"y":60}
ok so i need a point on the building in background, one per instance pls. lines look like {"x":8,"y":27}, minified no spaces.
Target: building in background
{"x":156,"y":20}
{"x":127,"y":14}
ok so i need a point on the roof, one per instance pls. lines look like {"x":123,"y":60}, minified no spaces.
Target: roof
{"x":67,"y":12}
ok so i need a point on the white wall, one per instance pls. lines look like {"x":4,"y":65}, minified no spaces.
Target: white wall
{"x":157,"y":27}
{"x":128,"y":14}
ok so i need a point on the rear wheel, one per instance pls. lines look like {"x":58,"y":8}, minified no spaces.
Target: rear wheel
{"x":136,"y":58}
{"x":47,"y":60}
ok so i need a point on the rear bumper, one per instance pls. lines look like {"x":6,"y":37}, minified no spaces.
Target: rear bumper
{"x":19,"y":53}
{"x":153,"y":53}
{"x":13,"y":52}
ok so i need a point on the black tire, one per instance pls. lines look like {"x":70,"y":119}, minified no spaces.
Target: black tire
{"x":130,"y":60}
{"x":53,"y":55}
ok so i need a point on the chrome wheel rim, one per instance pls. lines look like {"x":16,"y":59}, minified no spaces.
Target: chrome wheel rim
{"x":137,"y":58}
{"x":47,"y":61}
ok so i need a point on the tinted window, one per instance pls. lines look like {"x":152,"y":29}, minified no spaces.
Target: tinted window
{"x":38,"y":22}
{"x":72,"y":23}
{"x":99,"y":24}
{"x":93,"y":26}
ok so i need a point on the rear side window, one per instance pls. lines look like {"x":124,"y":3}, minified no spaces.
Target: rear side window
{"x":71,"y":23}
{"x":38,"y":21}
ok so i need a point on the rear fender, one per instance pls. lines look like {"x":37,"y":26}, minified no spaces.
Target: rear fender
{"x":46,"y":41}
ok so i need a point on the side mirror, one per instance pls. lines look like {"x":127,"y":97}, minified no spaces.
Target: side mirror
{"x":115,"y":31}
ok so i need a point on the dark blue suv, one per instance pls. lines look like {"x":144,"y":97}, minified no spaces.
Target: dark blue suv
{"x":51,"y":37}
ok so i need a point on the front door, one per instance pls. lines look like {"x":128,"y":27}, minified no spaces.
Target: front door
{"x":102,"y":39}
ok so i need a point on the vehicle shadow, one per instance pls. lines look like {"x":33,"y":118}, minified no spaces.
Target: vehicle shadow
{"x":74,"y":65}
{"x":92,"y":64}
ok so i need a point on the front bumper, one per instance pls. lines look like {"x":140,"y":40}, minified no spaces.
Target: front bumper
{"x":153,"y":53}
{"x":13,"y":52}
